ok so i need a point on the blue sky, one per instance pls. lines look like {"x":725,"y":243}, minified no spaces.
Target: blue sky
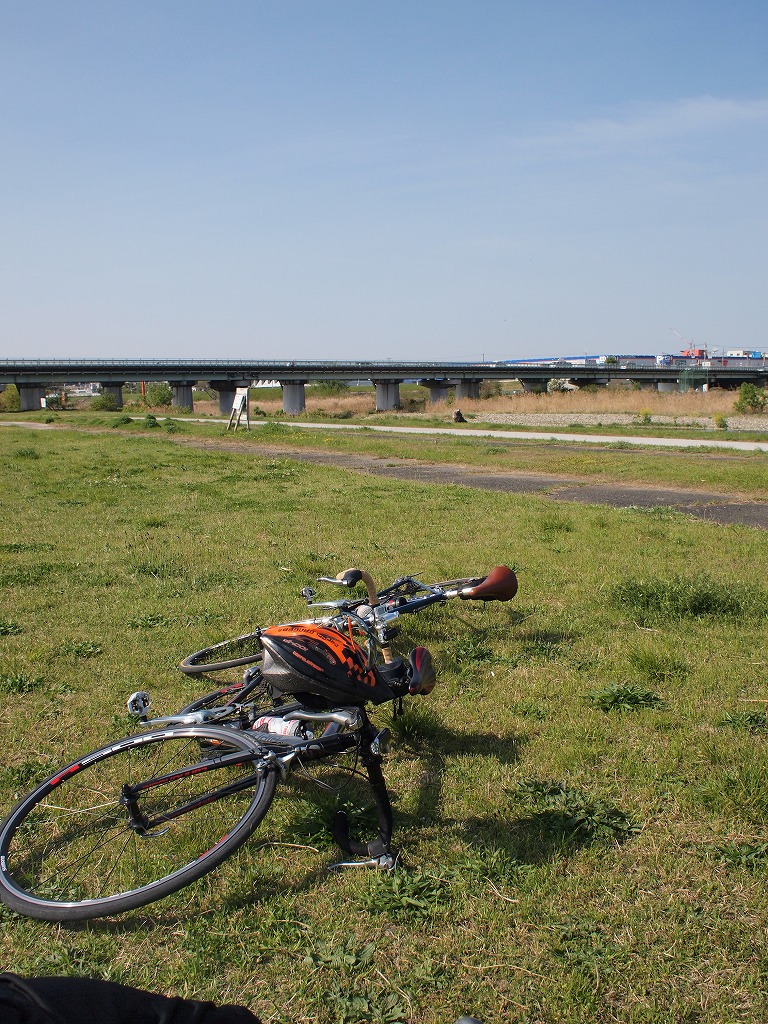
{"x":421,"y":179}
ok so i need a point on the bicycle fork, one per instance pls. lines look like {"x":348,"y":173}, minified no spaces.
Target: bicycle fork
{"x":378,"y":852}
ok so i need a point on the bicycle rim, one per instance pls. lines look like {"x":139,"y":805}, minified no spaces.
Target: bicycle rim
{"x":69,"y":851}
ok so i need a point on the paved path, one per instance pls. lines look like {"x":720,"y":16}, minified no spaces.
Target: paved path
{"x":540,"y":435}
{"x":711,"y":506}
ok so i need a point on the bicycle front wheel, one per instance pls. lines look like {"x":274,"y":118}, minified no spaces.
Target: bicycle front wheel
{"x":132,"y":822}
{"x":240,"y":650}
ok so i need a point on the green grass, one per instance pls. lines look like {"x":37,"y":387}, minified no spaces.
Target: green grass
{"x":556,"y":862}
{"x":730,"y":472}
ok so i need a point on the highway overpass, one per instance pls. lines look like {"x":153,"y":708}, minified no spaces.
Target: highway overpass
{"x":33,"y":377}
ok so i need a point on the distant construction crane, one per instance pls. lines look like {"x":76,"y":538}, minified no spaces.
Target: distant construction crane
{"x":691,"y":351}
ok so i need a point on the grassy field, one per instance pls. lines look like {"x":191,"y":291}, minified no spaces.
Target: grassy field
{"x":732,"y":472}
{"x":581,"y":804}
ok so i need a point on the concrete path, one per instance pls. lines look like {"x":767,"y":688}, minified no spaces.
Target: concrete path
{"x":540,"y":435}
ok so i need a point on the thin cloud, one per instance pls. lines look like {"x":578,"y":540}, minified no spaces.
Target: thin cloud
{"x":685,"y":118}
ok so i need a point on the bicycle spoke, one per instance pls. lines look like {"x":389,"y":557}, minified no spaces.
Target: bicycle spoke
{"x":142,"y":812}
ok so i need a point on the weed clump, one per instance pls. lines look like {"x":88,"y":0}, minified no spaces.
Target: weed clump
{"x":468,"y":650}
{"x":18,"y":683}
{"x":570,"y":816}
{"x":752,"y":721}
{"x":683,"y":597}
{"x":80,"y":649}
{"x":408,"y":894}
{"x":413,"y":726}
{"x":751,"y":856}
{"x":624,"y":697}
{"x":148,"y":621}
{"x":657,"y":667}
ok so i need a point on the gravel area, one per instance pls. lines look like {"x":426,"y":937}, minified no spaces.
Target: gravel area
{"x":584,"y":419}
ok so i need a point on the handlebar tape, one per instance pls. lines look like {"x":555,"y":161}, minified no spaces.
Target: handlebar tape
{"x":352,"y":576}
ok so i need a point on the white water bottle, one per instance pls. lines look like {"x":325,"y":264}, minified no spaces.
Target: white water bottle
{"x":277,"y":725}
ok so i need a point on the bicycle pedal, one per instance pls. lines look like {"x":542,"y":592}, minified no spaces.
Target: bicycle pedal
{"x":386,"y":862}
{"x":139,"y":703}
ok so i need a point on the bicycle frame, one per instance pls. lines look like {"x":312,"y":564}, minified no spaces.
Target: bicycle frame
{"x":369,"y":621}
{"x":141,"y":817}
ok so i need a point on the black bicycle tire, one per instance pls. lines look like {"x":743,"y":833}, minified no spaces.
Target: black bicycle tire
{"x":194,"y":664}
{"x":24,"y":902}
{"x":233,"y":692}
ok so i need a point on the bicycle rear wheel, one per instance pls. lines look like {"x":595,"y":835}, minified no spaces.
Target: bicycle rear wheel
{"x":132,"y":822}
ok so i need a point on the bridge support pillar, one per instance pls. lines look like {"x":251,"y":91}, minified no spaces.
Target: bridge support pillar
{"x":182,"y":394}
{"x":227,"y":390}
{"x":666,"y":386}
{"x":294,"y":398}
{"x":536,"y":385}
{"x":387,"y":395}
{"x":468,"y":388}
{"x":31,"y":397}
{"x":116,"y":390}
{"x":438,"y":390}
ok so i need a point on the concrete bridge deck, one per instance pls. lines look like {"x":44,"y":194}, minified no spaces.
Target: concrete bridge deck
{"x":34,"y":377}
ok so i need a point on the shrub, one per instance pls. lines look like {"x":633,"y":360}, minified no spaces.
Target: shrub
{"x":9,"y":399}
{"x":158,"y":395}
{"x":104,"y":403}
{"x":720,"y":421}
{"x":751,"y":399}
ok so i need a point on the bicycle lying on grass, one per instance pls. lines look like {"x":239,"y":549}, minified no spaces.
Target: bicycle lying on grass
{"x":144,"y":816}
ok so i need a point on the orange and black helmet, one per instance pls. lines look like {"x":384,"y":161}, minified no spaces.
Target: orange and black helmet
{"x":305,"y":658}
